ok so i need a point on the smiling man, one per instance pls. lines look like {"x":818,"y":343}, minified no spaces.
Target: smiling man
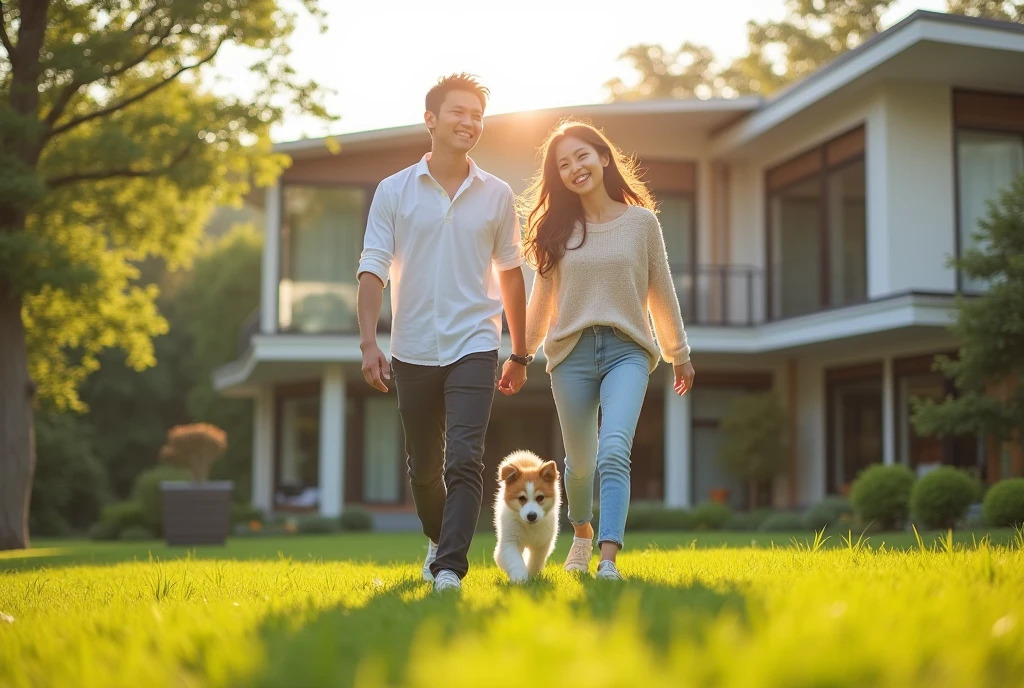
{"x":446,"y":234}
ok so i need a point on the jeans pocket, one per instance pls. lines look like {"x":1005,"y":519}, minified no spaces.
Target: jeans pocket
{"x":622,"y":336}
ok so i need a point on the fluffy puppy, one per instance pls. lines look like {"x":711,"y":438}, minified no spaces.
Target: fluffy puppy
{"x":526,"y":511}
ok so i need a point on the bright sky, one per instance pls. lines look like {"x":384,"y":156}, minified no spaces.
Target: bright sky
{"x":382,"y":57}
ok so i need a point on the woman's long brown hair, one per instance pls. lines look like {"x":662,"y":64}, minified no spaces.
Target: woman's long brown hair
{"x":552,"y":210}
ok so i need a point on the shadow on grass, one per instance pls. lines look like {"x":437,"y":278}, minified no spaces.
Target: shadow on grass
{"x":332,"y":647}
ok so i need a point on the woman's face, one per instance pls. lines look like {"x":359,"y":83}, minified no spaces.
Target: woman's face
{"x":579,"y":165}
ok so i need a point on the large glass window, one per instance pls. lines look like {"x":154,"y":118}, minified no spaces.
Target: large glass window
{"x":854,"y":407}
{"x":321,"y":239}
{"x":817,"y":228}
{"x":987,"y":163}
{"x":298,"y":464}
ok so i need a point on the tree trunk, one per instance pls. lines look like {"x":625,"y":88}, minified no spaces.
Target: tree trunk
{"x":17,"y":437}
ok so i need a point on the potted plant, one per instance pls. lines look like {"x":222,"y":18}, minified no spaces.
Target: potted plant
{"x":196,"y":512}
{"x":753,"y":447}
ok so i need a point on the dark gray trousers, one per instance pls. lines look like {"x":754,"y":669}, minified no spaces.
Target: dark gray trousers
{"x":445,"y":411}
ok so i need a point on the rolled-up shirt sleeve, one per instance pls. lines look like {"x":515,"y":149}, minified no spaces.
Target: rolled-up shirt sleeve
{"x":379,"y":240}
{"x":508,"y":252}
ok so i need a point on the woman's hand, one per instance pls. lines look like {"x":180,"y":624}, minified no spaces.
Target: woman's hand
{"x":684,"y":378}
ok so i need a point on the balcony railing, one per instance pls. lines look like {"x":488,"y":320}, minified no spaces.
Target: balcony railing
{"x":709,"y":295}
{"x":720,"y":295}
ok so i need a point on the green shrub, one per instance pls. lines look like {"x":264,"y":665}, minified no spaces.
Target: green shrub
{"x":356,"y":518}
{"x":1004,"y":504}
{"x":115,"y":519}
{"x":137,"y":533}
{"x":313,"y":525}
{"x":711,"y":515}
{"x":104,"y":530}
{"x":833,"y":511}
{"x":881,"y":495}
{"x":244,"y":513}
{"x":941,"y":497}
{"x":784,"y":521}
{"x":650,"y":516}
{"x":747,"y":520}
{"x":147,"y":493}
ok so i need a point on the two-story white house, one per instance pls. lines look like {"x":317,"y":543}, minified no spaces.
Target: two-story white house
{"x":809,"y":235}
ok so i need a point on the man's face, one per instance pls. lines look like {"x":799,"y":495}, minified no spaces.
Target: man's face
{"x":460,"y":121}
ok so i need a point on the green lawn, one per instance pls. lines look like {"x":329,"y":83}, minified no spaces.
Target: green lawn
{"x":699,"y":609}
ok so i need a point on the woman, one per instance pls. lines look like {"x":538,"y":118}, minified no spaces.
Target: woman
{"x":602,"y":276}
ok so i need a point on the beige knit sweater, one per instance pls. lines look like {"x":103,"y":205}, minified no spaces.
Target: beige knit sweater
{"x":616,"y":278}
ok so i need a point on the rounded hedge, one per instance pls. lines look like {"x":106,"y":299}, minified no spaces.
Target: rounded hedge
{"x":711,"y":515}
{"x":831,"y":512}
{"x":941,"y":497}
{"x":355,"y":518}
{"x":881,"y":495}
{"x":1004,"y":504}
{"x":146,"y":493}
{"x":784,"y":521}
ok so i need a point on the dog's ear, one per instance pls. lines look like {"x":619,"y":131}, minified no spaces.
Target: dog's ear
{"x":509,"y":472}
{"x":549,"y":471}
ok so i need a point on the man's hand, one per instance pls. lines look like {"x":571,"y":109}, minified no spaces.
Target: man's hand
{"x":376,"y":368}
{"x":513,"y":377}
{"x":684,"y":378}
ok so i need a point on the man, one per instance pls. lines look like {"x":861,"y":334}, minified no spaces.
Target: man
{"x":445,"y":232}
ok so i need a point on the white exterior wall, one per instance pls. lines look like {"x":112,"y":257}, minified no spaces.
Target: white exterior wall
{"x":912,"y":198}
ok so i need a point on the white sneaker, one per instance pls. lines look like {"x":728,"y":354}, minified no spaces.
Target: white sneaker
{"x":431,"y":556}
{"x":446,"y":580}
{"x":578,"y":558}
{"x":606,"y":571}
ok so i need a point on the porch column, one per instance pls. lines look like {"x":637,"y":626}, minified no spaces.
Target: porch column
{"x":263,"y":450}
{"x":678,"y":447}
{"x":888,"y":413}
{"x":332,"y":441}
{"x":271,"y":260}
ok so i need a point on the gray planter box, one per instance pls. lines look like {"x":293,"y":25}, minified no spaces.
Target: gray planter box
{"x":196,"y":513}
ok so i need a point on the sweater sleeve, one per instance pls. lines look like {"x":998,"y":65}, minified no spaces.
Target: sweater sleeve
{"x":662,"y":300}
{"x":539,"y":311}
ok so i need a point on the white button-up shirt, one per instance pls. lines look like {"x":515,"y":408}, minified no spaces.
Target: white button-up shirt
{"x":442,"y":256}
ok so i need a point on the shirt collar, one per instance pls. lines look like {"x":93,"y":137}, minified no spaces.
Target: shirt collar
{"x":423,"y":171}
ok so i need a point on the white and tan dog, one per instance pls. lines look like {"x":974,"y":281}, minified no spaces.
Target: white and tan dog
{"x":526,"y":514}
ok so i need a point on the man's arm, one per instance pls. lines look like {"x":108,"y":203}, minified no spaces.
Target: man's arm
{"x":513,"y":297}
{"x":374,"y":263}
{"x":369,"y":297}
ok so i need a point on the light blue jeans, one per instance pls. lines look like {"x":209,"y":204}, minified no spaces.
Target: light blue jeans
{"x":610,"y":371}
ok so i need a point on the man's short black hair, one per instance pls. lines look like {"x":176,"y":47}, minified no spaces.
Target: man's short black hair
{"x":455,"y":82}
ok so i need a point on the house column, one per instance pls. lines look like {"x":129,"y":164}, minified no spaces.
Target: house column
{"x":678,"y":447}
{"x":332,"y":441}
{"x":888,"y":413}
{"x":271,"y":260}
{"x":263,"y":450}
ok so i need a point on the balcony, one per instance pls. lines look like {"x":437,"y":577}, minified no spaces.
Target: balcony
{"x":709,"y":295}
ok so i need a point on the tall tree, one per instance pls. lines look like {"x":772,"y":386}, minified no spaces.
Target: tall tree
{"x":812,"y":34}
{"x":989,"y":372}
{"x":1003,"y":10}
{"x":111,"y":151}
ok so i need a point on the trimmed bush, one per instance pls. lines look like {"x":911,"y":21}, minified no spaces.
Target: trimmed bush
{"x":657,"y":517}
{"x":1004,"y":504}
{"x":831,"y":512}
{"x":881,"y":495}
{"x":244,"y":513}
{"x":116,"y":518}
{"x":137,"y":533}
{"x":146,"y":493}
{"x":355,"y":518}
{"x":711,"y":515}
{"x":747,"y":520}
{"x":940,"y":498}
{"x":315,"y":525}
{"x":784,"y":521}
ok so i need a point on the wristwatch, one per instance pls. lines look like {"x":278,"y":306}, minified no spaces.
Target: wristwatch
{"x":521,"y":360}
